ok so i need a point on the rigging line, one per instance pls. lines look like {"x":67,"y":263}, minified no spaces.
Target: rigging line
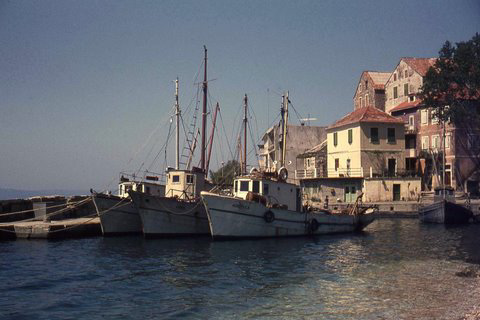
{"x":154,"y":145}
{"x":256,"y":124}
{"x":225,"y":132}
{"x":254,"y":144}
{"x":162,"y":148}
{"x":137,"y":152}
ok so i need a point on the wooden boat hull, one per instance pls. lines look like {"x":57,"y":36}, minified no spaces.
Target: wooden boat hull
{"x":445,"y":212}
{"x":118,"y":216}
{"x":163,"y":217}
{"x":236,"y":218}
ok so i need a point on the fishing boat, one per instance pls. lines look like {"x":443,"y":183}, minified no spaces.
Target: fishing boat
{"x":118,"y":215}
{"x":263,"y":204}
{"x":447,"y":208}
{"x":180,"y":211}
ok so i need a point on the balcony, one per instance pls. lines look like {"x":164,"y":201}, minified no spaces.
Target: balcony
{"x":345,"y":173}
{"x":308,"y":174}
{"x":410,"y":129}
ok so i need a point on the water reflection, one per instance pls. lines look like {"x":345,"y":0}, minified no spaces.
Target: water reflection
{"x":397,"y":269}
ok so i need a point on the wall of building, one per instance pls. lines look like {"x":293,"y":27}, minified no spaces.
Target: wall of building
{"x":398,"y":79}
{"x":376,"y":155}
{"x":377,"y":190}
{"x":317,"y":190}
{"x":367,"y":95}
{"x":344,"y":151}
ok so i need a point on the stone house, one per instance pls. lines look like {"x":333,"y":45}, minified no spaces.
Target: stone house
{"x":365,"y":152}
{"x":299,"y":139}
{"x":371,"y":90}
{"x":406,"y":80}
{"x":366,"y":142}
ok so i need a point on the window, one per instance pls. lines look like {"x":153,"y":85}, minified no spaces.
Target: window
{"x":411,"y":121}
{"x":190,"y":178}
{"x":236,"y":186}
{"x":335,"y":138}
{"x":395,"y":93}
{"x":448,"y":137}
{"x":405,"y":89}
{"x":176,"y":178}
{"x":434,"y":118}
{"x":425,"y":143}
{"x":148,"y":190}
{"x":360,"y":104}
{"x":243,"y":185}
{"x":256,"y":186}
{"x":394,"y":77}
{"x":435,"y":141}
{"x":391,"y":135}
{"x":424,"y":116}
{"x":367,"y":102}
{"x":265,"y":188}
{"x":337,"y":164}
{"x":374,"y":135}
{"x":366,"y":84}
{"x":406,"y":73}
{"x":350,"y":136}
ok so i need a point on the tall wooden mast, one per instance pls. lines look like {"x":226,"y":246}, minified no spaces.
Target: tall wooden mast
{"x":245,"y":100}
{"x":204,"y":112}
{"x":177,"y":130}
{"x":284,"y":129}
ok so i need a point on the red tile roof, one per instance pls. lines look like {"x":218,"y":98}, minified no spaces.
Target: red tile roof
{"x":406,"y":105}
{"x":365,"y":114}
{"x":379,"y":78}
{"x":420,"y":65}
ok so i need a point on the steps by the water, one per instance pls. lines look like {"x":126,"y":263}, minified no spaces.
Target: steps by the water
{"x":63,"y":229}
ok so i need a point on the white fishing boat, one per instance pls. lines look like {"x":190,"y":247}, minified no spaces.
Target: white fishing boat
{"x":263,"y":204}
{"x":180,"y":211}
{"x":118,"y":215}
{"x":447,"y":207}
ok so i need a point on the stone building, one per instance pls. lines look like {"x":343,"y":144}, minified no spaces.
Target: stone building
{"x":365,"y":152}
{"x":371,"y":90}
{"x":424,"y":133}
{"x":406,"y":81}
{"x":366,"y":142}
{"x":299,"y":139}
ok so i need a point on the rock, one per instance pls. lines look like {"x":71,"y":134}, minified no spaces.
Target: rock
{"x":469,"y":272}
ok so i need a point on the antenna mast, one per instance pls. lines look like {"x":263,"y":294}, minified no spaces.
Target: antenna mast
{"x":204,"y":111}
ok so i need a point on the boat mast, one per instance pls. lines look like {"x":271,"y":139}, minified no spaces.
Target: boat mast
{"x":443,"y":159}
{"x":204,"y":111}
{"x":245,"y":100}
{"x":284,"y":130}
{"x":212,"y":135}
{"x":177,"y":131}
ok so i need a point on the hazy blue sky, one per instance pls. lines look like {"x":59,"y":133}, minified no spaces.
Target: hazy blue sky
{"x":84,"y":83}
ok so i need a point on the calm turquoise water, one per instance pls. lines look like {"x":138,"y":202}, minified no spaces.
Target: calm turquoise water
{"x":397,"y":269}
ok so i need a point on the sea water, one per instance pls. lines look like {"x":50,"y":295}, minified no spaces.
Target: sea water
{"x":395,"y":269}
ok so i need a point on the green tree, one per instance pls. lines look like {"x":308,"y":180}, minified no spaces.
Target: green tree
{"x":226,"y":174}
{"x":454,"y":81}
{"x":452,"y":89}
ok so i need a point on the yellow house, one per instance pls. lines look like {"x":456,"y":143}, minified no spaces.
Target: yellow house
{"x":366,"y":143}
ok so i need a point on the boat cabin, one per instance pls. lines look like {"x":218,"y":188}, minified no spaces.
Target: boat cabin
{"x":145,"y":187}
{"x":275,"y":192}
{"x":448,"y":191}
{"x":184,"y":184}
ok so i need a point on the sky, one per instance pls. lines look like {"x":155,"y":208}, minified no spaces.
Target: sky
{"x":86,"y":87}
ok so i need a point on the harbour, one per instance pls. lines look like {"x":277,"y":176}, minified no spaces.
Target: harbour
{"x":395,"y":269}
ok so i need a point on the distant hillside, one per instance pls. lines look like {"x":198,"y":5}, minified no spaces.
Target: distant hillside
{"x":6,"y":194}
